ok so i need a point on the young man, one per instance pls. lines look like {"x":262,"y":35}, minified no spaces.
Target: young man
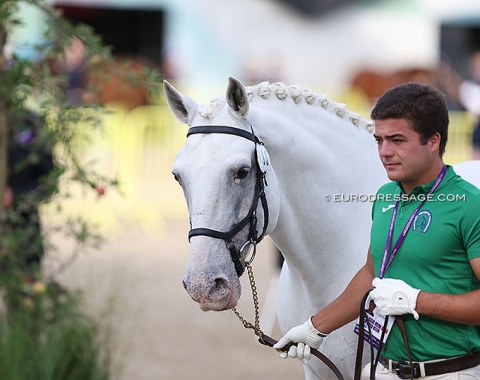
{"x":424,"y":256}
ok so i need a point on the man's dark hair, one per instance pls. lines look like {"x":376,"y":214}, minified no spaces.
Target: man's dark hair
{"x":422,"y":105}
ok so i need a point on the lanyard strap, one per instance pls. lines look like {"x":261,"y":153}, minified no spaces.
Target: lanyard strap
{"x":388,"y":258}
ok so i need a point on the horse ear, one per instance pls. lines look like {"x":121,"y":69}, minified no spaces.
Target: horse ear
{"x":237,"y":97}
{"x":181,"y":105}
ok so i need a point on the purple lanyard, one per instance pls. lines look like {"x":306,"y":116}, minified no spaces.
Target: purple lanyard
{"x":387,"y":259}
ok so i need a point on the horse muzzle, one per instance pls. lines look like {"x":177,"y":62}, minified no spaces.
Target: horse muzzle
{"x":213,"y":293}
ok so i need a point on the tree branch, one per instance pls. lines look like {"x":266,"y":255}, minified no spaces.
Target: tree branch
{"x":3,"y":129}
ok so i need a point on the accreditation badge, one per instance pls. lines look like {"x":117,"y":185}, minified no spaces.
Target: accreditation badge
{"x":376,"y":325}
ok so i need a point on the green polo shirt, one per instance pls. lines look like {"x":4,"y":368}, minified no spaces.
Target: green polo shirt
{"x":434,"y":257}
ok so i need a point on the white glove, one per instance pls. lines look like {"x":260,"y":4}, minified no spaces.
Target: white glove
{"x":306,"y":336}
{"x":394,"y":297}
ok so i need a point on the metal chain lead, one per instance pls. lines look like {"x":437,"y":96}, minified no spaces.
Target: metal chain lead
{"x":264,"y":339}
{"x":246,"y":324}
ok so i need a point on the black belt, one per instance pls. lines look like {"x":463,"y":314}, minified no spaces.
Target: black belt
{"x":404,"y":369}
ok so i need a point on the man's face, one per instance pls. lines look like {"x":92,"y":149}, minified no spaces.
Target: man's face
{"x":405,"y":159}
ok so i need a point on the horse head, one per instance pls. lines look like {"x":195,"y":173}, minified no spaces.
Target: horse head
{"x":231,"y":192}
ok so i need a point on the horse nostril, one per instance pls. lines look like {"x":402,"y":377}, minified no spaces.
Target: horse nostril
{"x":184,"y":285}
{"x":220,"y":283}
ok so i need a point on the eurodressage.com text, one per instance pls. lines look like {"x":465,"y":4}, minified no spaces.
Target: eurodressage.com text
{"x":395,"y":197}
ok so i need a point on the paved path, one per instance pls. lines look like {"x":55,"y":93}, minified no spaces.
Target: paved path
{"x":133,"y":283}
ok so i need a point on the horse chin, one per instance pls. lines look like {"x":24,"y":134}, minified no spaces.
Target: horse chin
{"x":211,"y":306}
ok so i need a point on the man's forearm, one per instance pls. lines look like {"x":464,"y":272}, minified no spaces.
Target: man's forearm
{"x":459,"y":308}
{"x":347,"y":306}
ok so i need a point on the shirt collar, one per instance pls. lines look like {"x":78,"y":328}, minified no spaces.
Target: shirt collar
{"x":424,"y":189}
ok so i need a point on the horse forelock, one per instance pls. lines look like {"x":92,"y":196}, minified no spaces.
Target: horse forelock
{"x":213,"y":109}
{"x":281,"y":91}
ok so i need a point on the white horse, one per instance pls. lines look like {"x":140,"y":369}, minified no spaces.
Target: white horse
{"x":318,"y":184}
{"x":469,"y":170}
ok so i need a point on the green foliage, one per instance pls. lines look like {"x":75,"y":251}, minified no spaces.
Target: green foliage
{"x":64,"y":126}
{"x":10,"y":81}
{"x":45,"y":335}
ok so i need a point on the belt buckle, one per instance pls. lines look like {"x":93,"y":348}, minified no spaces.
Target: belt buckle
{"x":404,"y":369}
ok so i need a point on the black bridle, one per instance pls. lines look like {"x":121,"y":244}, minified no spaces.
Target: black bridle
{"x":251,"y":218}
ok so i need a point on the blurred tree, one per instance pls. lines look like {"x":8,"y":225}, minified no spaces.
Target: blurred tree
{"x":44,"y":87}
{"x":40,"y":125}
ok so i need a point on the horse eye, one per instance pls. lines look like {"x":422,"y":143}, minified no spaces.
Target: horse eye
{"x":242,"y":173}
{"x":175,"y":177}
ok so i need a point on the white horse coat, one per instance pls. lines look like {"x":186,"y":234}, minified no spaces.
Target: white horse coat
{"x":324,"y":171}
{"x":469,"y":170}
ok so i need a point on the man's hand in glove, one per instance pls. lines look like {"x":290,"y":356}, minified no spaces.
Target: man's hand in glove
{"x":306,"y":336}
{"x":394,"y":297}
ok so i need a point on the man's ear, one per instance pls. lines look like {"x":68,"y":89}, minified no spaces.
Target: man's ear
{"x":434,"y":141}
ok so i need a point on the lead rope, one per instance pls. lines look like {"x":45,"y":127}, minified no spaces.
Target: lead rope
{"x":403,"y":331}
{"x":268,"y":341}
{"x":361,"y":341}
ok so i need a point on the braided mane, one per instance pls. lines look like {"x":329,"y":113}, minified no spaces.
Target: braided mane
{"x":282,"y":92}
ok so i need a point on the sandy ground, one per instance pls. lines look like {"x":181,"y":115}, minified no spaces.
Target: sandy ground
{"x":133,"y":284}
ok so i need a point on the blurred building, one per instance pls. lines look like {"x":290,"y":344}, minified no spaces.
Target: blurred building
{"x":315,"y":43}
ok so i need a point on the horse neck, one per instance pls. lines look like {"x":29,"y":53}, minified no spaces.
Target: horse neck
{"x":311,"y":145}
{"x":316,"y":154}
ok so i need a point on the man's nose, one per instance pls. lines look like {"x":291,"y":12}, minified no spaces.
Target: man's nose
{"x":385,"y":150}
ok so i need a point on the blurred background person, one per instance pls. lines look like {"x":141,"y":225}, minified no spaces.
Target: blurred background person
{"x":30,"y":162}
{"x":469,"y":96}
